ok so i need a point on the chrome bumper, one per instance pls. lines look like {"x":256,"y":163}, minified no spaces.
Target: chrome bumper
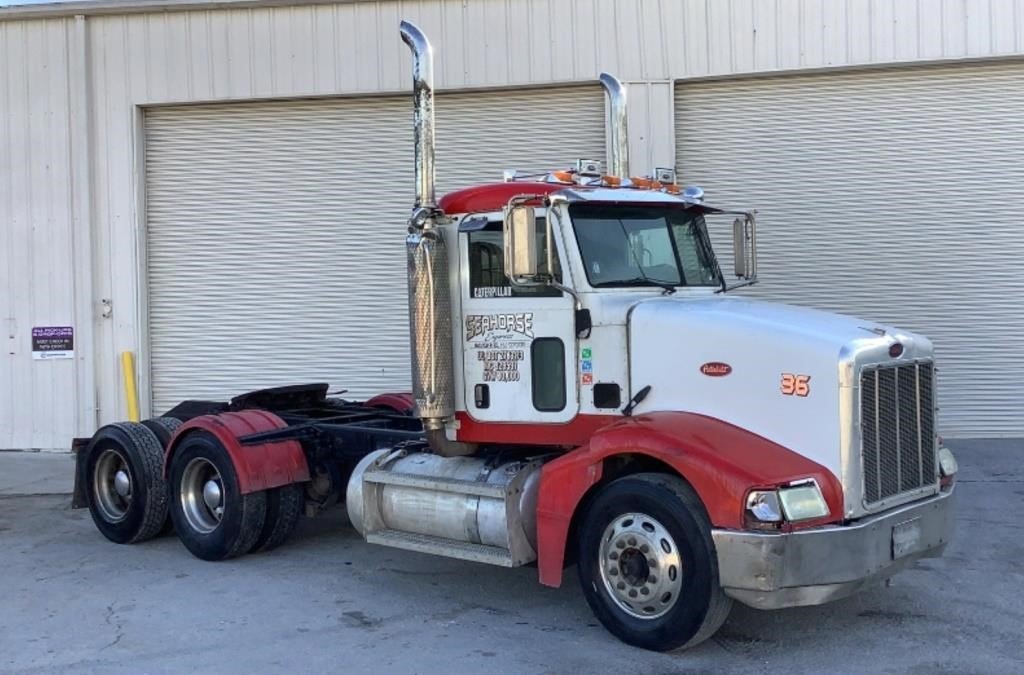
{"x":811,"y":567}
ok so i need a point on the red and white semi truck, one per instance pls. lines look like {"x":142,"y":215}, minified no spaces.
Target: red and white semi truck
{"x":585,"y":390}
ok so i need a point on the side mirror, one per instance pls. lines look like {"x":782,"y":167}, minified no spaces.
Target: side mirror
{"x":520,"y":242}
{"x":744,"y":247}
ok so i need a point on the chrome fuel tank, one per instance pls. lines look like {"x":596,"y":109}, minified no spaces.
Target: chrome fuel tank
{"x":464,"y":507}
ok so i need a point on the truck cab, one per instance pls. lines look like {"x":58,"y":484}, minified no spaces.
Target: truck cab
{"x":548,"y":345}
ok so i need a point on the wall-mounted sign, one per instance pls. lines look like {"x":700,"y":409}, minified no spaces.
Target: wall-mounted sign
{"x":53,"y":342}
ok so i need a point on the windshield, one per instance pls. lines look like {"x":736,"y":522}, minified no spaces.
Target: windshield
{"x":643,"y":246}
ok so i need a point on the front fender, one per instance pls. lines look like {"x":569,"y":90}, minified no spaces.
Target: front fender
{"x":722,"y":462}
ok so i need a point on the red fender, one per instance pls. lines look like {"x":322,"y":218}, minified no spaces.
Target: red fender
{"x":722,"y":462}
{"x":259,"y":467}
{"x":402,"y":403}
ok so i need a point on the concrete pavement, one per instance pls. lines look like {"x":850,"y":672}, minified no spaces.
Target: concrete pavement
{"x":36,"y":473}
{"x":328,"y":602}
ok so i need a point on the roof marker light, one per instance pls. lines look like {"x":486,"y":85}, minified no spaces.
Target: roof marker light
{"x":588,"y":167}
{"x":559,"y":177}
{"x":693,"y":193}
{"x":665,"y":176}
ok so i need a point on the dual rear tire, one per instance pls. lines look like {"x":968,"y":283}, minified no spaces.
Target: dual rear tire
{"x":212,"y":517}
{"x":130,"y":501}
{"x":124,"y":484}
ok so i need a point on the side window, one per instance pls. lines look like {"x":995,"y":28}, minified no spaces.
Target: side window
{"x":696,"y":270}
{"x":487,"y":265}
{"x":547,"y":356}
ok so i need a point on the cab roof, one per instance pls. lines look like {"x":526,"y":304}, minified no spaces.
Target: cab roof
{"x":495,"y":196}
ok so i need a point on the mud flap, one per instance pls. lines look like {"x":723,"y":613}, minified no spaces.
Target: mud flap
{"x":78,"y":446}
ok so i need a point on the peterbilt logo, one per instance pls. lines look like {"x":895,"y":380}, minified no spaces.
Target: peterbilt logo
{"x":716,"y":369}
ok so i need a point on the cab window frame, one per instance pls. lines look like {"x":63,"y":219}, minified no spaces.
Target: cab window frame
{"x":490,"y":239}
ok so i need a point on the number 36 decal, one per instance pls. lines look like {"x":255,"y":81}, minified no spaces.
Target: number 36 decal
{"x":795,"y":385}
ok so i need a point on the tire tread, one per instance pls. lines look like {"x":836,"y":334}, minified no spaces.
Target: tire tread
{"x":720,"y":604}
{"x":254,"y":511}
{"x":284,"y":507}
{"x":151,"y":457}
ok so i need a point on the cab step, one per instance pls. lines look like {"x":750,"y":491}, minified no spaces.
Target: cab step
{"x":422,"y":543}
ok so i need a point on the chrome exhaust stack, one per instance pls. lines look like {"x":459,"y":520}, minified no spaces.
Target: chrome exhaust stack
{"x":430,"y":307}
{"x":422,"y":113}
{"x":619,"y":136}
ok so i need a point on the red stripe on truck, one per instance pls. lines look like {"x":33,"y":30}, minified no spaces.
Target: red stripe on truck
{"x":570,"y":434}
{"x":722,"y":462}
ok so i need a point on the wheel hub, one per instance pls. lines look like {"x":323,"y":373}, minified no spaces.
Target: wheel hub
{"x":122,"y":483}
{"x":201,"y":492}
{"x":640,"y":565}
{"x":112,"y":485}
{"x":633,"y":567}
{"x":212,"y":495}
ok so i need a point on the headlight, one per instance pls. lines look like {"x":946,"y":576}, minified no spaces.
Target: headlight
{"x":947,"y":468}
{"x":947,"y":462}
{"x":803,"y":502}
{"x":763,"y":505}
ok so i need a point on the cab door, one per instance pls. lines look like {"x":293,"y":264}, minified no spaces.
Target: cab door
{"x":519,"y":343}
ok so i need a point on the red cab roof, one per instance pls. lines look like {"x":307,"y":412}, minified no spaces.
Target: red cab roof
{"x":493,"y":196}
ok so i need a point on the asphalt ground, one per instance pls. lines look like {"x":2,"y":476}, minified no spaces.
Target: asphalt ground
{"x":70,"y":601}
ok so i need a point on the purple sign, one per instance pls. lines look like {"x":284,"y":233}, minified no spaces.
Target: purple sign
{"x":53,"y":342}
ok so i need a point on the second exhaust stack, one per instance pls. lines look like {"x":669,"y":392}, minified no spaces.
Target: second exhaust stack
{"x":619,"y":137}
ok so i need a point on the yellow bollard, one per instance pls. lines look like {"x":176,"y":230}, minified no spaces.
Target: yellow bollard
{"x":131,"y":396}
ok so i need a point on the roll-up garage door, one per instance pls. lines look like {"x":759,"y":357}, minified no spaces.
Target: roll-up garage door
{"x":894,"y":195}
{"x":275,"y":231}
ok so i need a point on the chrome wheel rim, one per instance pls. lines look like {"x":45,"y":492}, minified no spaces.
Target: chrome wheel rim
{"x":640,"y":566}
{"x":202,"y":495}
{"x":112,"y":485}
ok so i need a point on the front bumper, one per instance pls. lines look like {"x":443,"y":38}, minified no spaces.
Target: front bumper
{"x":811,"y":567}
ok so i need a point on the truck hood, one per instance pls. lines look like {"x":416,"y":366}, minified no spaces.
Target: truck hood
{"x":730,"y":358}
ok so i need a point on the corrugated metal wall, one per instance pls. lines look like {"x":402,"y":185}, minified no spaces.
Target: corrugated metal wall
{"x":276,"y":231}
{"x":894,"y":195}
{"x":121,"y":62}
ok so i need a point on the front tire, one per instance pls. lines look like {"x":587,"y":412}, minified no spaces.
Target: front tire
{"x":647,"y":563}
{"x":212,"y":518}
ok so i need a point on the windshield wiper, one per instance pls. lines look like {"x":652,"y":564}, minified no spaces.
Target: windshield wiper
{"x":667,"y":287}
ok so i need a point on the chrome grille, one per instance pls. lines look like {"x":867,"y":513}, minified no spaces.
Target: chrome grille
{"x":898,"y":429}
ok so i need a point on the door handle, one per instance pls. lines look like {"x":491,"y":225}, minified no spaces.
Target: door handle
{"x":482,"y":396}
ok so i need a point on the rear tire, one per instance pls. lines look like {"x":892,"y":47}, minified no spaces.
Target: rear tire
{"x":211,"y":516}
{"x":125,"y":488}
{"x":647,"y":563}
{"x":163,"y":428}
{"x":284,"y":506}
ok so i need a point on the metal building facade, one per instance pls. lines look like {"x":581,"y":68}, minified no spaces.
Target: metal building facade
{"x":76,"y":80}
